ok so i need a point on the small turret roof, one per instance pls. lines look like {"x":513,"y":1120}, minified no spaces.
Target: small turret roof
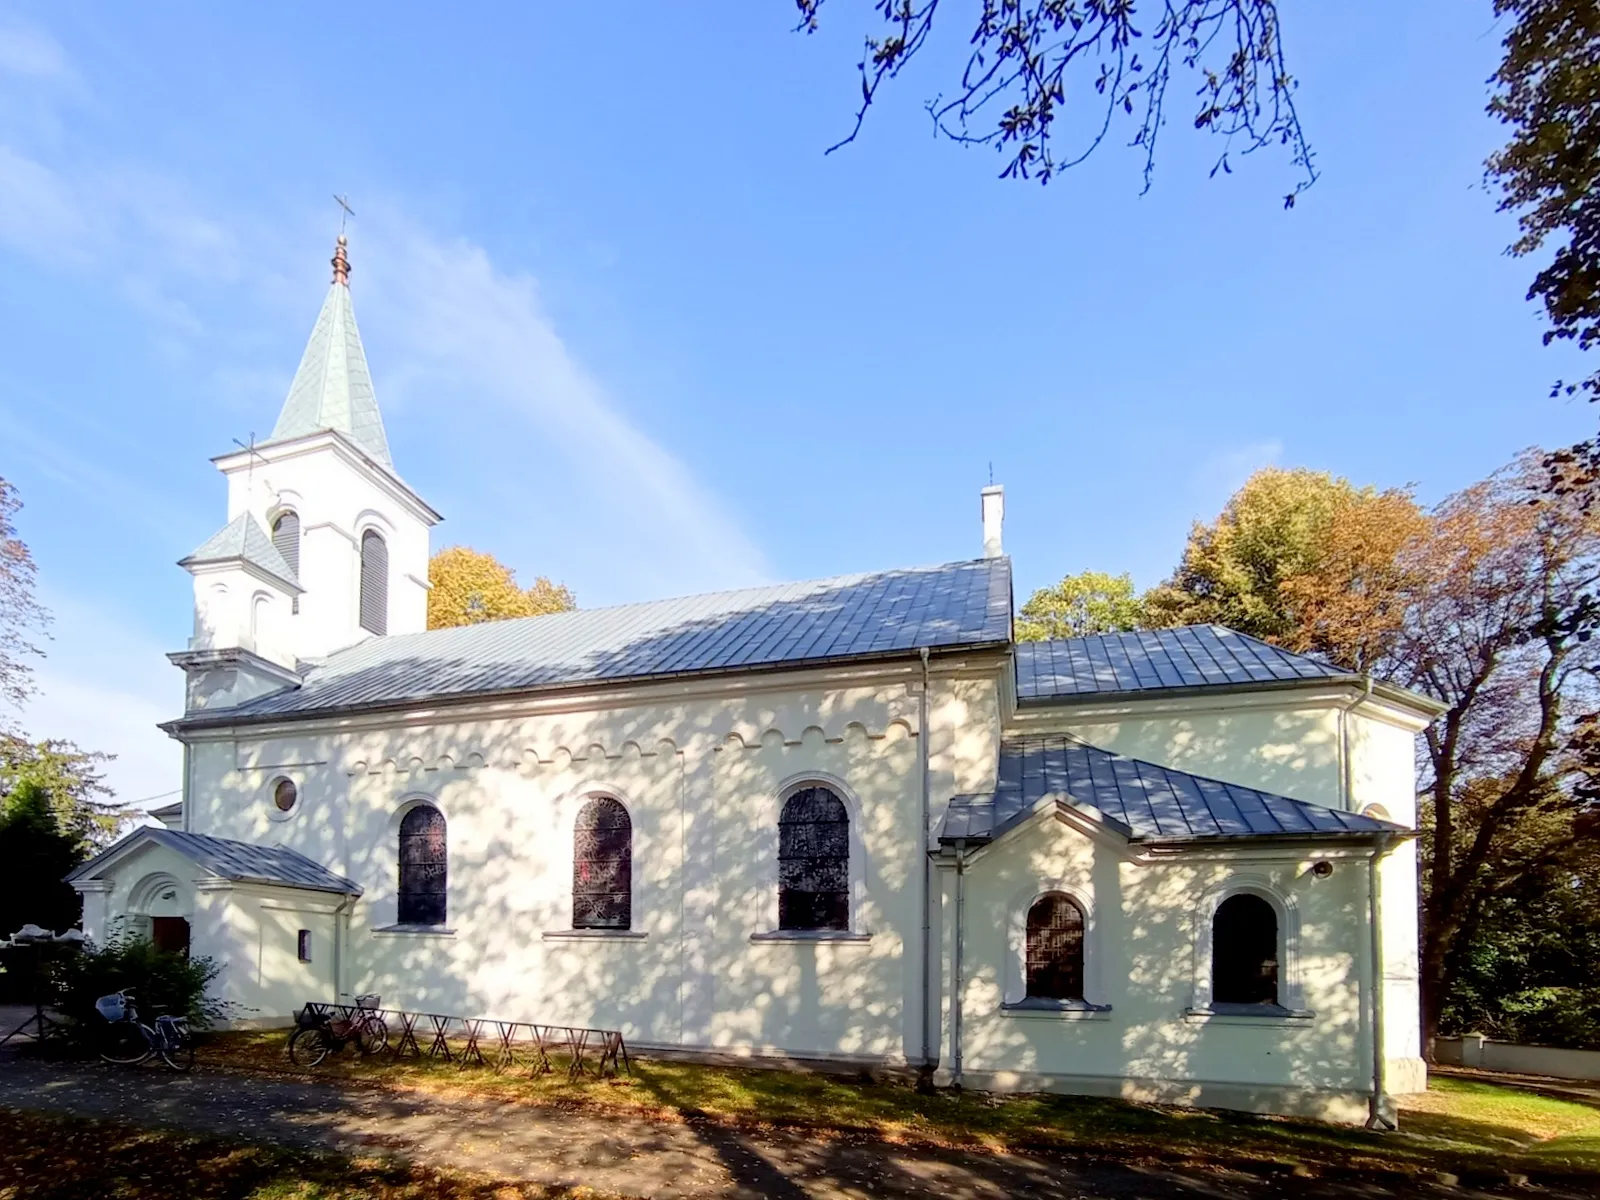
{"x":333,"y":387}
{"x":243,"y":538}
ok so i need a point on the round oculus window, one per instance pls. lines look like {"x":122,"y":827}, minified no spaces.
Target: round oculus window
{"x":284,"y":795}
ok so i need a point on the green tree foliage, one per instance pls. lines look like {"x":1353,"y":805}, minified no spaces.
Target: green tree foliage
{"x":469,"y":587}
{"x":72,"y":780}
{"x":36,"y":853}
{"x":1030,"y":63}
{"x":159,"y":979}
{"x":1085,"y":603}
{"x":22,"y":618}
{"x":1548,"y":94}
{"x":1300,"y":558}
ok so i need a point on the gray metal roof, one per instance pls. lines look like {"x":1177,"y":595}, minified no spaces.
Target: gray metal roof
{"x":243,"y":538}
{"x":1191,"y":656}
{"x":242,"y":861}
{"x":1141,"y":800}
{"x":853,"y":616}
{"x":333,"y":387}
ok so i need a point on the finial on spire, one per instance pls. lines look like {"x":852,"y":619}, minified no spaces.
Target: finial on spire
{"x":341,"y":262}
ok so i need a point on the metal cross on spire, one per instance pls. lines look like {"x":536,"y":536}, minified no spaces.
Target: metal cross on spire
{"x":344,"y":203}
{"x":250,"y":469}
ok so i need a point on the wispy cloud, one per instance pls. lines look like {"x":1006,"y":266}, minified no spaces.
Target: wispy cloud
{"x":34,"y":55}
{"x":479,"y":349}
{"x":105,"y":685}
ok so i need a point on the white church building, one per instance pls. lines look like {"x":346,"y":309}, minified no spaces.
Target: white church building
{"x":850,"y":819}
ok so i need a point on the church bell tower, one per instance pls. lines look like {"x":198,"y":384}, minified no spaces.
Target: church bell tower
{"x":325,"y":545}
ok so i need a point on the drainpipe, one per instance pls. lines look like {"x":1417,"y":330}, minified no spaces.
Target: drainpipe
{"x":956,"y":969}
{"x":188,"y":806}
{"x":929,"y":1062}
{"x":1381,"y":1115}
{"x":1345,"y":790}
{"x":341,"y":931}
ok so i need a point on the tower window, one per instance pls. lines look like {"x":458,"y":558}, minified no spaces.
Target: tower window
{"x":374,"y":583}
{"x":286,"y":539}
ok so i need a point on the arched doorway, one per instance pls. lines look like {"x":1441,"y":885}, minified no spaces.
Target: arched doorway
{"x":161,"y":907}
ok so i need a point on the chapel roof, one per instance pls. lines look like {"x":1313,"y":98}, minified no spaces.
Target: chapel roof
{"x":1149,"y":660}
{"x":1142,"y":801}
{"x":333,"y":387}
{"x":243,"y":538}
{"x":244,"y":862}
{"x":878,"y":615}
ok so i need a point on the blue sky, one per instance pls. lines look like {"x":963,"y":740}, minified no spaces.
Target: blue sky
{"x":631,"y":328}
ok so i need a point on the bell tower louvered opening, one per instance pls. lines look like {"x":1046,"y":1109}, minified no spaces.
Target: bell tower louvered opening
{"x":374,"y":583}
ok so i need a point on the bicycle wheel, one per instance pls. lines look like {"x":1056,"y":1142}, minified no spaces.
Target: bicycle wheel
{"x":373,"y":1036}
{"x":308,"y":1047}
{"x":177,"y":1049}
{"x":125,"y":1044}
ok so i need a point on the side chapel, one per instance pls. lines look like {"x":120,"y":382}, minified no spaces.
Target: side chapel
{"x":850,"y":819}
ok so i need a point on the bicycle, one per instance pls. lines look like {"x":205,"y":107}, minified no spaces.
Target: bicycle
{"x":317,"y":1034}
{"x":128,"y":1041}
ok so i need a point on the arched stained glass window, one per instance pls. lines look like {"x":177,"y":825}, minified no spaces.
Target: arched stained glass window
{"x":1244,"y":951}
{"x":424,"y":867}
{"x":602,"y":866}
{"x":814,"y":861}
{"x":374,"y":583}
{"x":1055,"y":948}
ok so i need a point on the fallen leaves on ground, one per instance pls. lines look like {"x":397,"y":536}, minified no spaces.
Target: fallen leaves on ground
{"x":68,"y":1158}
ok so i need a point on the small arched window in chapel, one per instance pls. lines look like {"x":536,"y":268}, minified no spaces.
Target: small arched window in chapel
{"x":1055,"y":948}
{"x":814,"y":861}
{"x":374,"y":583}
{"x":1244,"y":951}
{"x":602,"y":866}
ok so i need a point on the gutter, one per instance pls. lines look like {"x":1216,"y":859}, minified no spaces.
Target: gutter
{"x":1381,"y":1115}
{"x":929,"y":1062}
{"x":1385,"y":691}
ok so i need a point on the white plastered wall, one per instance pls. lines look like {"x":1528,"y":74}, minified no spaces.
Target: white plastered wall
{"x":1291,"y":749}
{"x":338,"y":497}
{"x":701,"y":775}
{"x":1145,"y":960}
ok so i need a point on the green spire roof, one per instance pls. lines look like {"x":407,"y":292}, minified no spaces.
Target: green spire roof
{"x":333,"y":388}
{"x":243,"y":538}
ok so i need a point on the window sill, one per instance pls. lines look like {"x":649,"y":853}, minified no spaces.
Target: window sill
{"x":811,"y":935}
{"x":413,"y":931}
{"x":1248,"y":1014}
{"x":600,"y":935}
{"x":1057,"y":1010}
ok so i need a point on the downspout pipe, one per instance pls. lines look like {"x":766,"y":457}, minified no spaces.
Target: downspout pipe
{"x":957,"y":967}
{"x":1381,"y":1115}
{"x":341,"y":934}
{"x":929,"y":1062}
{"x":1346,"y":787}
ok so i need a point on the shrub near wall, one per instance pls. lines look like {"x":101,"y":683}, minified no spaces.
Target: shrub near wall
{"x":160,"y":981}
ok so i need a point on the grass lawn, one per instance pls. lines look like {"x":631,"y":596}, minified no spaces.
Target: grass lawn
{"x":67,"y":1158}
{"x":1460,"y":1126}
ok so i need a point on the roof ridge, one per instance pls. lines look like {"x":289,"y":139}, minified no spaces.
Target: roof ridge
{"x":856,"y":577}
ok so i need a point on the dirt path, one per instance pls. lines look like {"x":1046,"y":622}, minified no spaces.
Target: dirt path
{"x":625,"y":1155}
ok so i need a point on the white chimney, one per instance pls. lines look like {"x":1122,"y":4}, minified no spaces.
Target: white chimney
{"x":994,"y":516}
